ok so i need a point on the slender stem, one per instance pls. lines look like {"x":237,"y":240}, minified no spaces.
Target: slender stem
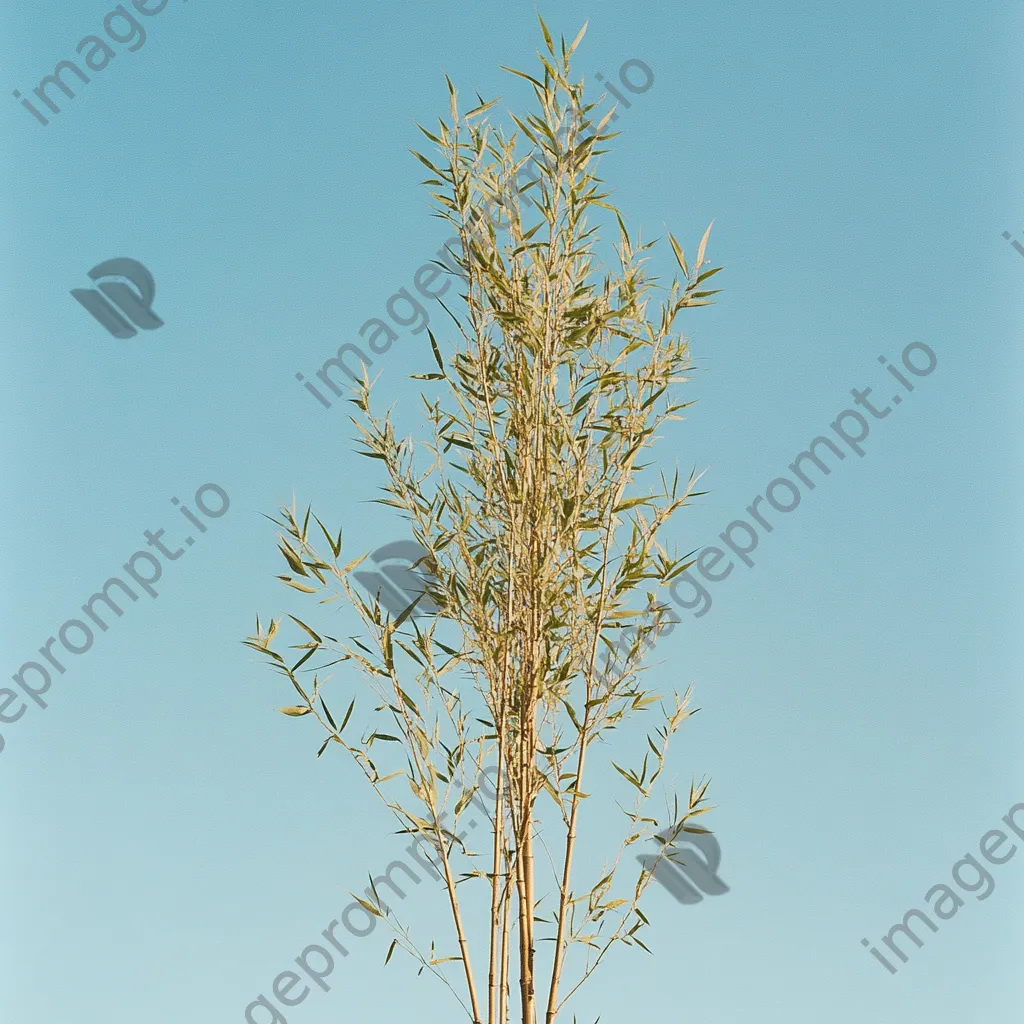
{"x":499,"y":836}
{"x":570,"y":839}
{"x":457,"y":916}
{"x":505,"y":950}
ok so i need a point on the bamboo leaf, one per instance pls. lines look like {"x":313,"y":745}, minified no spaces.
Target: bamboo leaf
{"x":368,"y":907}
{"x":522,"y":74}
{"x":355,"y":563}
{"x":547,"y":36}
{"x":434,"y":349}
{"x":579,"y":39}
{"x":680,"y":258}
{"x":348,"y":715}
{"x":702,"y":246}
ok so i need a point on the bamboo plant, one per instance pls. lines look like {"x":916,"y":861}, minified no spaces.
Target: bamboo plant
{"x":542,"y":556}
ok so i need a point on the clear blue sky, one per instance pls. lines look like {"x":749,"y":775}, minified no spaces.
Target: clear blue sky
{"x":169,"y":844}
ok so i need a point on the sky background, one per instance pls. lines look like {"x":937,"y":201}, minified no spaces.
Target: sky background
{"x":169,"y":843}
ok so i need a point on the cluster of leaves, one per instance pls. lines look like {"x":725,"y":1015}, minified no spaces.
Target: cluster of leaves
{"x":544,"y":565}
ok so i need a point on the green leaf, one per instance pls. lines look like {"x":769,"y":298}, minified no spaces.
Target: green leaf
{"x":330,"y":717}
{"x":298,"y":586}
{"x":309,"y":654}
{"x":408,"y":701}
{"x":433,"y":346}
{"x":356,"y":562}
{"x":547,"y":35}
{"x":292,"y":558}
{"x":522,"y":74}
{"x":628,"y":776}
{"x":368,"y":907}
{"x":707,"y":274}
{"x":579,"y":38}
{"x":702,"y":246}
{"x":335,"y":546}
{"x":629,"y":503}
{"x":680,"y":258}
{"x":348,"y":715}
{"x":314,"y":635}
{"x":476,"y":111}
{"x":424,"y":160}
{"x":572,"y":715}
